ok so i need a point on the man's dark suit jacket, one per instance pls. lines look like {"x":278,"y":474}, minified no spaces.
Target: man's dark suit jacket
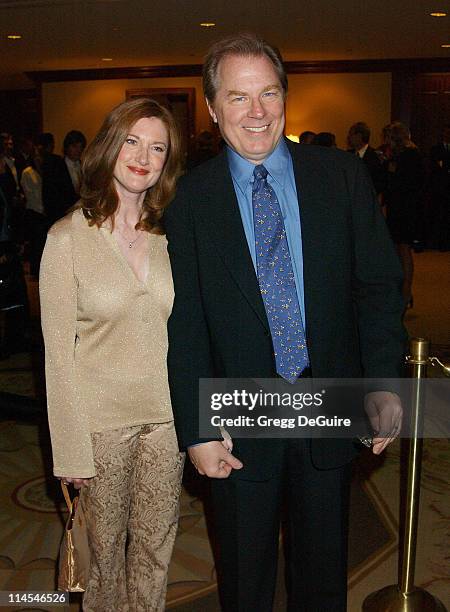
{"x":440,"y":168}
{"x":440,"y":152}
{"x":218,"y":327}
{"x":58,"y":193}
{"x":375,"y":168}
{"x":21,"y":162}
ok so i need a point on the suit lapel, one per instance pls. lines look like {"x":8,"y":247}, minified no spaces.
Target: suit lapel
{"x":225,"y":226}
{"x":311,"y":200}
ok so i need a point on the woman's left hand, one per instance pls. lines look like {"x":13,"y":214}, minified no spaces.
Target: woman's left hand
{"x":77,"y":482}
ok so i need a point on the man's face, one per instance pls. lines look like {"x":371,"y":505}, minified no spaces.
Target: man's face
{"x":249,"y":106}
{"x":74,"y":151}
{"x":354,"y":140}
{"x":9,"y":146}
{"x":27,"y":147}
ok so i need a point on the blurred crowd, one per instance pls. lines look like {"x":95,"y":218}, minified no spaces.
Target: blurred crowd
{"x":413,"y":187}
{"x":37,"y":187}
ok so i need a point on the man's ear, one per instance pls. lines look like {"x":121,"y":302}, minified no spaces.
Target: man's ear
{"x":211,"y":110}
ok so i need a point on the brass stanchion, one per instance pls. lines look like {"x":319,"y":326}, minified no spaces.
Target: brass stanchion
{"x":404,"y":596}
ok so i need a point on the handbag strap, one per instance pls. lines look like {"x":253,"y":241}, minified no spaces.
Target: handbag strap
{"x":66,"y":494}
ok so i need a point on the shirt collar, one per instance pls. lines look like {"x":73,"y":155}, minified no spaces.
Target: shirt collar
{"x":70,"y":162}
{"x":361,"y":152}
{"x":276,"y":164}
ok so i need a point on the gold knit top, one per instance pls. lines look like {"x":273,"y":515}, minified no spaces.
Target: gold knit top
{"x":105,"y":335}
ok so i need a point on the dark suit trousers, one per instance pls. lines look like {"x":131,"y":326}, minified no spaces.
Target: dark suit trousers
{"x":314,"y":504}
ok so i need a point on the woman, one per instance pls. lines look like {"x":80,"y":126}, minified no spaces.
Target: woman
{"x":406,"y":176}
{"x":35,"y":220}
{"x":106,"y":294}
{"x":13,"y":289}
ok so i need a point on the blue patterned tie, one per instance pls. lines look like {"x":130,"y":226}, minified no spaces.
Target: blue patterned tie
{"x":276,"y":280}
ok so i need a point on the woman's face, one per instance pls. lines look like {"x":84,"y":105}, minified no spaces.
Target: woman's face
{"x":142,"y":156}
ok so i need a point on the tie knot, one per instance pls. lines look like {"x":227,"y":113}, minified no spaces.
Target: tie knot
{"x":260,"y":172}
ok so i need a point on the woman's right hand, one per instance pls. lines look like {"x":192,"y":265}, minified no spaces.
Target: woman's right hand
{"x":77,"y":482}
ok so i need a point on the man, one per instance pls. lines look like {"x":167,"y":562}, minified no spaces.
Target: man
{"x":61,"y":178}
{"x":347,"y":291}
{"x":13,"y":290}
{"x":8,"y":143}
{"x":440,"y":192}
{"x":306,"y":137}
{"x":8,"y":172}
{"x":25,"y":156}
{"x":358,"y":142}
{"x":36,"y":225}
{"x":324,"y":139}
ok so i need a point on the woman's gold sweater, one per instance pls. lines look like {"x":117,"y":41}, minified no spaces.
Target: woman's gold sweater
{"x":105,"y":337}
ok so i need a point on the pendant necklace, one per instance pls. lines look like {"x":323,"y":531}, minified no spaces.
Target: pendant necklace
{"x":131,"y":243}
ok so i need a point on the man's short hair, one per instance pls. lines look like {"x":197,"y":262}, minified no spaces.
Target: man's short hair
{"x":242,"y":44}
{"x":324,"y":139}
{"x":306,"y":137}
{"x":74,"y":137}
{"x":46,"y":140}
{"x":362,"y":129}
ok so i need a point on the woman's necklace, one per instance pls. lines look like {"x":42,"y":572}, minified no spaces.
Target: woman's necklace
{"x":131,"y":243}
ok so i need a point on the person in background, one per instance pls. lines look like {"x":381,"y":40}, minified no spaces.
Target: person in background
{"x":8,"y":186}
{"x":45,"y":143}
{"x":384,"y":151}
{"x":35,"y":219}
{"x":24,"y":156}
{"x":403,"y":198}
{"x":13,"y":290}
{"x":324,"y":139}
{"x":205,"y":148}
{"x":74,"y":145}
{"x":106,"y":294}
{"x":306,"y":137}
{"x":15,"y":197}
{"x":61,"y":177}
{"x":440,"y":192}
{"x":8,"y":142}
{"x":358,"y":138}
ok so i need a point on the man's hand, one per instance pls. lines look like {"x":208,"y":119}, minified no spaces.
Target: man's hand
{"x":213,"y":459}
{"x":385,"y":413}
{"x":78,"y":483}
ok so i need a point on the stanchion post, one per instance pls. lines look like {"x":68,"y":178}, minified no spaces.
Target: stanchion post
{"x":404,"y":596}
{"x":417,"y":362}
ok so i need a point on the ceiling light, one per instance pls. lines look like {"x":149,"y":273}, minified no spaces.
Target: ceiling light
{"x":106,"y":59}
{"x":438,"y":14}
{"x":14,"y":36}
{"x":207,"y":24}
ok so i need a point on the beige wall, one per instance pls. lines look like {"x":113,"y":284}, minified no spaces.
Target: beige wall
{"x":82,"y":105}
{"x":317,"y":102}
{"x":332,"y":102}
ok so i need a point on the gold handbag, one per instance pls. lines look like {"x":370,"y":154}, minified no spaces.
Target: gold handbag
{"x":74,"y":556}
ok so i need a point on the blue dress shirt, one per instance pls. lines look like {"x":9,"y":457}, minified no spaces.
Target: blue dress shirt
{"x":281,"y":178}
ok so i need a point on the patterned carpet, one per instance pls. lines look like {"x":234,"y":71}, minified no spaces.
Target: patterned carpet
{"x":31,"y":520}
{"x":31,"y":512}
{"x":32,"y":515}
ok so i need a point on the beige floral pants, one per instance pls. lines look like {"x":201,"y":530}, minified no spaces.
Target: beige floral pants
{"x":131,"y":508}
